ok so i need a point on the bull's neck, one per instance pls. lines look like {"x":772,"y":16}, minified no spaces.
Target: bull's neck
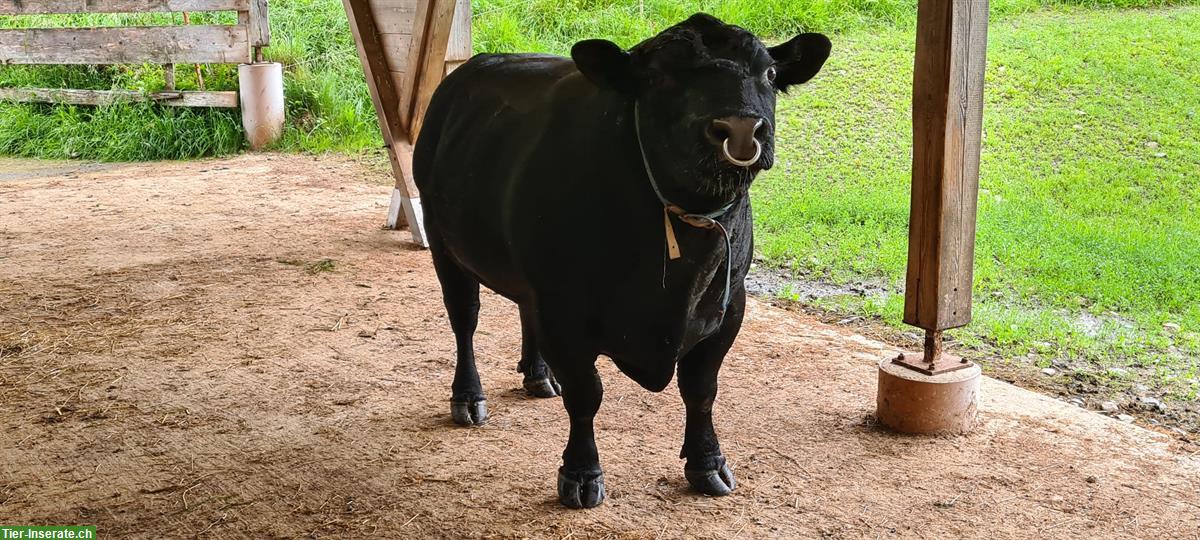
{"x":697,"y":213}
{"x":706,"y":220}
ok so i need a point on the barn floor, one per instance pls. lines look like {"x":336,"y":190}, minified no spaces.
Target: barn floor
{"x":176,"y":359}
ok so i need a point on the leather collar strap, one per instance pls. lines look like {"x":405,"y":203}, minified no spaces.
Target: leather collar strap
{"x":701,"y":221}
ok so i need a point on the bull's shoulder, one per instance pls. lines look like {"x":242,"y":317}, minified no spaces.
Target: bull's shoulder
{"x":521,"y":83}
{"x":505,"y":72}
{"x":516,"y":63}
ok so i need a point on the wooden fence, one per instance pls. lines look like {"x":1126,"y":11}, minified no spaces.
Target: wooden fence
{"x":167,"y":45}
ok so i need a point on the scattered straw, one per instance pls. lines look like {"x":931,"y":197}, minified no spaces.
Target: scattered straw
{"x":323,"y":265}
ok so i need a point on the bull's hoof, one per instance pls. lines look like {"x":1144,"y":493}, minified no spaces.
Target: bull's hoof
{"x":580,"y":489}
{"x":469,"y":413}
{"x":542,"y":387}
{"x":717,"y":481}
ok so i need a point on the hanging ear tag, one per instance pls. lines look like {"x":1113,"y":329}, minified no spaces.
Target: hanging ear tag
{"x":672,"y":243}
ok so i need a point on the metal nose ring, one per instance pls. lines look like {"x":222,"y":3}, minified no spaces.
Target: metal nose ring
{"x":740,"y":162}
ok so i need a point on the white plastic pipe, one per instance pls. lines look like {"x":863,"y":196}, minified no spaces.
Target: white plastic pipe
{"x":260,"y":87}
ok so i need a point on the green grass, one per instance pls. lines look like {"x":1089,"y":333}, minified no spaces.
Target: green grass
{"x":554,"y":25}
{"x":328,"y":105}
{"x":1088,"y":240}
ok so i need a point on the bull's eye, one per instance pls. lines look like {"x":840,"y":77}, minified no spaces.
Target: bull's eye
{"x":770,"y":74}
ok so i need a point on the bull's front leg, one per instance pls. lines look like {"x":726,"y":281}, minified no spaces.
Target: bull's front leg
{"x":580,"y":479}
{"x":706,"y":469}
{"x":560,"y":339}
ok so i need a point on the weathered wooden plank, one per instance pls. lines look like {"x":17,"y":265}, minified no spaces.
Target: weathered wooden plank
{"x":396,"y":50}
{"x":260,"y":24}
{"x":394,"y":16}
{"x":108,"y":97}
{"x":39,"y":7}
{"x":947,"y":124}
{"x":412,"y":64}
{"x":426,"y":61}
{"x":132,"y":45}
{"x":398,"y":81}
{"x":459,"y":47}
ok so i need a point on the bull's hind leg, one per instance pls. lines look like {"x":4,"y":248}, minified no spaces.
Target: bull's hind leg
{"x":706,"y":469}
{"x":539,"y":380}
{"x":460,"y":294}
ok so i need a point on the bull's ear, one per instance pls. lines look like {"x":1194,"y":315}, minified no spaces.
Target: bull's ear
{"x":605,"y":64}
{"x":799,"y":59}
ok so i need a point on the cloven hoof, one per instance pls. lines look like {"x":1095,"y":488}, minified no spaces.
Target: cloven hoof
{"x":580,"y":489}
{"x":713,"y":482}
{"x":469,"y":413}
{"x":542,"y":387}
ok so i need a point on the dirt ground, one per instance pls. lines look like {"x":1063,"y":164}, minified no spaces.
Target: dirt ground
{"x":235,"y":348}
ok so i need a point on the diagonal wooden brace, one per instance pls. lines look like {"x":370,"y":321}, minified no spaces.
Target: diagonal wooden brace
{"x":402,"y":82}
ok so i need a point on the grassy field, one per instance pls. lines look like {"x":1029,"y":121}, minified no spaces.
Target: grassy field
{"x":1089,"y":243}
{"x":329,"y":108}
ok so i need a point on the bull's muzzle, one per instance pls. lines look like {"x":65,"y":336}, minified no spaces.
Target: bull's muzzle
{"x":738,"y":138}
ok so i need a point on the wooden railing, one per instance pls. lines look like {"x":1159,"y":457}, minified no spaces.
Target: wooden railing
{"x":167,"y":45}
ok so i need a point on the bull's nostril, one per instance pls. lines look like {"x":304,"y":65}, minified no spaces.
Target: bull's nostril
{"x":737,"y":138}
{"x":719,"y":131}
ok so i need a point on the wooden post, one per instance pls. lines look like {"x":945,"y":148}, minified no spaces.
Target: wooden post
{"x":947,"y":123}
{"x":935,"y":392}
{"x":260,"y":29}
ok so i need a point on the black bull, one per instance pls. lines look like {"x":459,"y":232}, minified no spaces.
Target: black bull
{"x":606,"y":195}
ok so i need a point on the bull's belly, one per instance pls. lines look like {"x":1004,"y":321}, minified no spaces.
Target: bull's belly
{"x":473,"y":235}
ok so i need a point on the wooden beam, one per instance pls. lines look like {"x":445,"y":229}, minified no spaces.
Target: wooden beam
{"x":47,"y":7}
{"x":108,"y":97}
{"x":371,"y":52}
{"x":375,"y":57}
{"x":426,"y":61}
{"x":395,"y":49}
{"x":130,"y":45}
{"x":947,"y":123}
{"x":393,"y":16}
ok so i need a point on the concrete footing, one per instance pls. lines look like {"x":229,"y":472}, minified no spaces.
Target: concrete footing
{"x":912,"y":402}
{"x":260,"y":88}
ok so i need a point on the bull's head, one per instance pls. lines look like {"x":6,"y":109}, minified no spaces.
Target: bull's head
{"x":705,"y":95}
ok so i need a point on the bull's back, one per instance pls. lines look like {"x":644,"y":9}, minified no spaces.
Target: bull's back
{"x":482,"y":127}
